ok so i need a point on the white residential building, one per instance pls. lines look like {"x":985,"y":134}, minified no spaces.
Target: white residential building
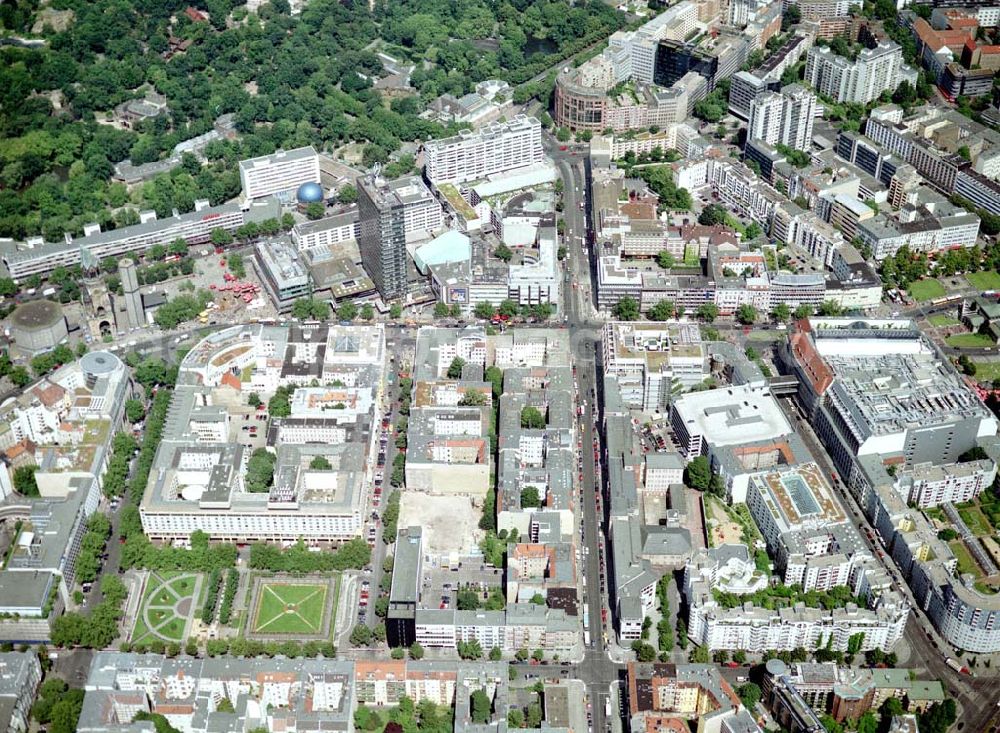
{"x":876,"y":70}
{"x":473,"y":155}
{"x":785,"y":118}
{"x":279,"y":174}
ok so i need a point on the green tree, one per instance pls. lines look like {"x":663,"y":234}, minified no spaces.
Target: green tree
{"x":750,"y":694}
{"x":347,"y":311}
{"x":662,"y":311}
{"x":665,"y":260}
{"x":508,"y":308}
{"x":707,"y":312}
{"x":803,"y":311}
{"x":24,"y":480}
{"x":530,"y":498}
{"x":698,"y":474}
{"x":135,"y":410}
{"x":746,"y":314}
{"x":441,"y":310}
{"x":260,"y":471}
{"x":781,"y":312}
{"x":470,"y":650}
{"x":626,"y":309}
{"x":455,"y":368}
{"x":347,"y":194}
{"x":483,"y":310}
{"x":320,"y":463}
{"x":481,"y":707}
{"x":416,"y":651}
{"x":713,"y":215}
{"x":643,"y":651}
{"x":361,"y":635}
{"x":700,"y":655}
{"x":503,"y":252}
{"x":532,"y":418}
{"x":315,"y":210}
{"x":829,"y":308}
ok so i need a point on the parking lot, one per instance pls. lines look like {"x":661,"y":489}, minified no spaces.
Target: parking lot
{"x":441,"y":584}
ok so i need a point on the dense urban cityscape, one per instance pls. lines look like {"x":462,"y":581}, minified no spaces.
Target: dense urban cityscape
{"x":541,"y":365}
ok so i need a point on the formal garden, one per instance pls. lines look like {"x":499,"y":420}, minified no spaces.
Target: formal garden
{"x":286,"y":606}
{"x":167,"y":607}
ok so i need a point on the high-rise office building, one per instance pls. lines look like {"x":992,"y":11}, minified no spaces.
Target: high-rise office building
{"x":388,"y":212}
{"x":382,"y":237}
{"x":674,"y":59}
{"x":404,"y":595}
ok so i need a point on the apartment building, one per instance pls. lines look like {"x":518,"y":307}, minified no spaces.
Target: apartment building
{"x":784,"y":118}
{"x":876,"y":70}
{"x":476,"y":154}
{"x":279,"y":174}
{"x":195,"y":228}
{"x":931,"y":224}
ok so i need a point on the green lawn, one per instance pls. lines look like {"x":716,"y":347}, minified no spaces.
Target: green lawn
{"x":989,"y":280}
{"x":926,"y":289}
{"x":976,"y":521}
{"x":966,"y":564}
{"x":969,"y":341}
{"x":940,"y":320}
{"x":987,"y":371}
{"x":173,"y":630}
{"x":290,"y":609}
{"x":158,"y":615}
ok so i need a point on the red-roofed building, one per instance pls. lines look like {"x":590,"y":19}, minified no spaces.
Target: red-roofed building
{"x":195,"y":15}
{"x":985,"y":57}
{"x":231,"y":380}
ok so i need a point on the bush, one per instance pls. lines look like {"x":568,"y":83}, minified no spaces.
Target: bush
{"x":208,"y":610}
{"x":352,"y":555}
{"x":232,"y":584}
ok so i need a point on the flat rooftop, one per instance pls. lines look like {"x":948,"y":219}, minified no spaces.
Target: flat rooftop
{"x":732,"y":415}
{"x":798,"y":497}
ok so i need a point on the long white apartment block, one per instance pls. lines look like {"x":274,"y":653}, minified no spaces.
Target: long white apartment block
{"x":195,"y":227}
{"x":280,"y":173}
{"x":475,"y":154}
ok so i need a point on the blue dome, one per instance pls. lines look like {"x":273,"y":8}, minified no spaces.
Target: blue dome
{"x":309,"y":192}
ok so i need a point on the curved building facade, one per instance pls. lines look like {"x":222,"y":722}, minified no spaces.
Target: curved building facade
{"x":37,"y":326}
{"x":579,"y":107}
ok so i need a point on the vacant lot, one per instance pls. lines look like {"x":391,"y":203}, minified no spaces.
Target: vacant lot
{"x":449,"y":523}
{"x":989,"y":280}
{"x":969,"y":341}
{"x":926,"y":289}
{"x":290,"y":609}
